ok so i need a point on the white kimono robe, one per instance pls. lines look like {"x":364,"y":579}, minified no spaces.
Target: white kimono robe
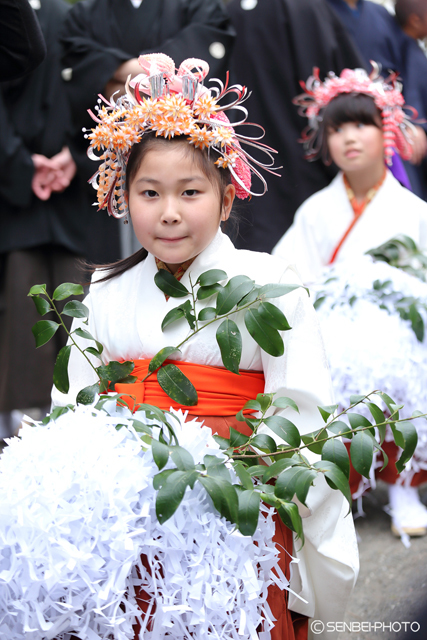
{"x":322,"y":220}
{"x":125,"y":316}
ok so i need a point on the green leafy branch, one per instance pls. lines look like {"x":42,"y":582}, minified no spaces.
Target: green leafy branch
{"x":44,"y":330}
{"x":256,"y":469}
{"x":240,"y":294}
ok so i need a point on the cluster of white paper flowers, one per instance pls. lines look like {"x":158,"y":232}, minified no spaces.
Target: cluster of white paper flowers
{"x":77,"y":511}
{"x":369,"y":345}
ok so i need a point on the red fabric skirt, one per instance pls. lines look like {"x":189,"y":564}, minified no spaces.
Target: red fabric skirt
{"x":288,"y":625}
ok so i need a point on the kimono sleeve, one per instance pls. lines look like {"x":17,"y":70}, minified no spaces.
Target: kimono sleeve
{"x":22,"y":47}
{"x":328,"y":562}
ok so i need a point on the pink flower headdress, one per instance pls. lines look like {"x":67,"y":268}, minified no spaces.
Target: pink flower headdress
{"x":171,"y":104}
{"x":386,"y":93}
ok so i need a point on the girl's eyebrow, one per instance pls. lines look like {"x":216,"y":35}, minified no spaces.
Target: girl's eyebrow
{"x":181,"y":180}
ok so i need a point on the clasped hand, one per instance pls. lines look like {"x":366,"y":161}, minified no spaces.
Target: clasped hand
{"x":52,"y":174}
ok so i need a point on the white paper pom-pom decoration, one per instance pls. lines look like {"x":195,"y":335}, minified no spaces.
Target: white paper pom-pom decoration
{"x":77,"y":510}
{"x":370,"y":347}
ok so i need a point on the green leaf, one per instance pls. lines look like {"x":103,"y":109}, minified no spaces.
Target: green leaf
{"x":57,"y":411}
{"x":160,"y":357}
{"x":357,"y":421}
{"x":154,"y":413}
{"x":211,"y":277}
{"x":161,"y":478}
{"x":115,"y":371}
{"x":389,"y":402}
{"x":355,"y":399}
{"x":289,"y":514}
{"x":408,"y":442}
{"x":43,"y":331}
{"x":88,"y":394}
{"x":284,"y":429}
{"x":417,"y":322}
{"x":172,"y":492}
{"x":235,"y":289}
{"x":253,"y":405}
{"x":188,"y":313}
{"x":82,"y":333}
{"x":249,"y":297}
{"x":277,"y":290}
{"x":265,"y":400}
{"x":207,"y":292}
{"x":286,"y":482}
{"x":376,"y":412}
{"x":264,"y":442}
{"x":160,"y":453}
{"x":66,"y":290}
{"x":340,"y":428}
{"x":229,"y":341}
{"x":172,"y":316}
{"x":170,"y":286}
{"x":219,"y":470}
{"x":177,"y":385}
{"x":335,"y":477}
{"x":335,"y":451}
{"x":208,"y":313}
{"x":243,"y":475}
{"x":224,"y":497}
{"x":182,"y":458}
{"x":37,"y":289}
{"x":140,"y":427}
{"x":311,"y":440}
{"x":303,"y":484}
{"x":273,"y":316}
{"x":248,"y":511}
{"x":75,"y":309}
{"x":60,"y":371}
{"x":265,"y":336}
{"x":276,"y":468}
{"x":93,"y":352}
{"x":42,"y":305}
{"x":237,"y":439}
{"x":283,"y":402}
{"x":327,"y":410}
{"x":361,"y":452}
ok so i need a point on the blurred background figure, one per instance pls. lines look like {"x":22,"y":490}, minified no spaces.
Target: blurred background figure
{"x":22,"y":46}
{"x":103,"y":39}
{"x":392,"y":42}
{"x":278,"y":43}
{"x":44,"y":221}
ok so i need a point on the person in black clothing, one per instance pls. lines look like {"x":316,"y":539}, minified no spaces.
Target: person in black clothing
{"x":22,"y":47}
{"x":278,"y":43}
{"x":45,"y":221}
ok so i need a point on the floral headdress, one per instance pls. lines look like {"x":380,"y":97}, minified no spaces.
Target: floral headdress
{"x":386,"y":93}
{"x":171,"y":104}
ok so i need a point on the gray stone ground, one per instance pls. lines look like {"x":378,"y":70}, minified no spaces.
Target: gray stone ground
{"x":392,"y":584}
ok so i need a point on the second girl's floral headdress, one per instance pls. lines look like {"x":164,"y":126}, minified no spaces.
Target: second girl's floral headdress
{"x":171,"y":104}
{"x":386,"y":93}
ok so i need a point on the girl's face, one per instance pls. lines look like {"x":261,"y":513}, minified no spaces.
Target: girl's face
{"x":354,"y":146}
{"x":175,"y":209}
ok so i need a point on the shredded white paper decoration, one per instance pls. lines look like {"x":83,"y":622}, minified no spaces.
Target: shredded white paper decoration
{"x":77,"y":510}
{"x":370,"y":347}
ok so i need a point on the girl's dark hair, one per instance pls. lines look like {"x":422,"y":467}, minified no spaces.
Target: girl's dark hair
{"x":219,"y":178}
{"x":347,"y":107}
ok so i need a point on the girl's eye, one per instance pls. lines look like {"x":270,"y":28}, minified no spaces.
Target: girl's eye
{"x":360,"y":125}
{"x":190,"y":192}
{"x":149,"y":193}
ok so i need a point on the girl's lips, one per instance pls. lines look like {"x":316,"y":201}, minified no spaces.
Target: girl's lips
{"x":172,"y":239}
{"x":352,"y":153}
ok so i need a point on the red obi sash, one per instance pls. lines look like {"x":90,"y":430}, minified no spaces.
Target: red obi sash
{"x":220,"y":392}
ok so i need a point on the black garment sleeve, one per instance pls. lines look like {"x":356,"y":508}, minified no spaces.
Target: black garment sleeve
{"x":22,"y":47}
{"x":16,"y":165}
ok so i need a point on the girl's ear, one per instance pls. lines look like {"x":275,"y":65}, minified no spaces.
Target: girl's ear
{"x":227,"y":203}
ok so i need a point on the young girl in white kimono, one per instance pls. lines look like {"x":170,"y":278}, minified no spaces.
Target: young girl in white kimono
{"x":365,"y":205}
{"x":360,"y":124}
{"x":178,"y":185}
